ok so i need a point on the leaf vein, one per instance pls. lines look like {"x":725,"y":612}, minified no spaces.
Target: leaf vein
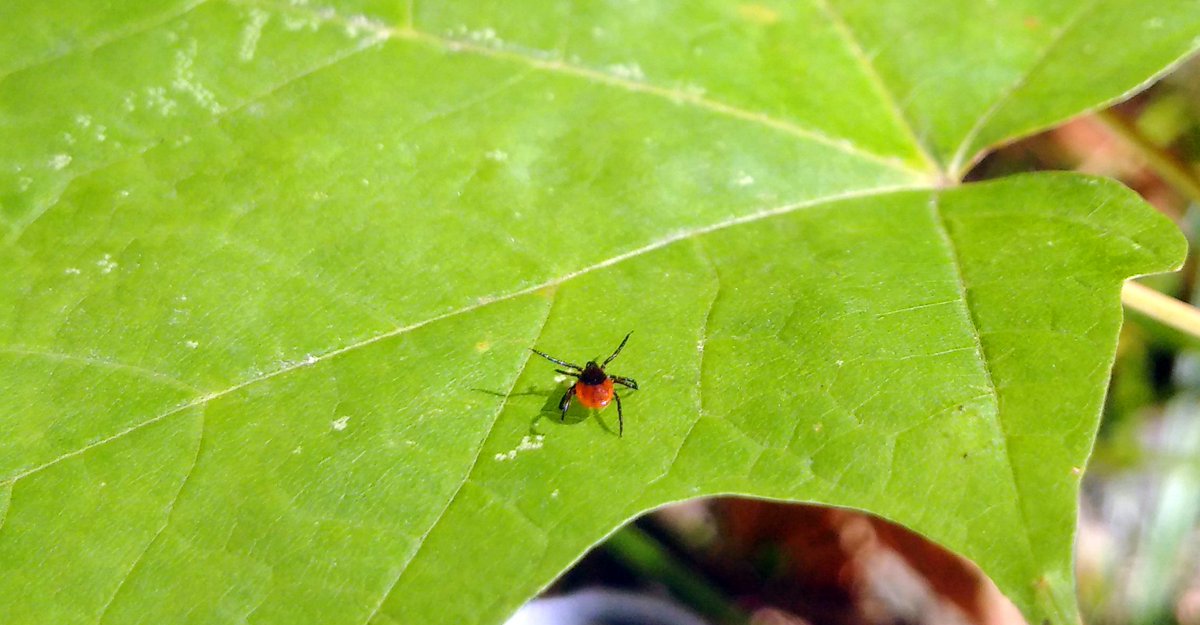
{"x":170,"y":511}
{"x":479,"y":303}
{"x":889,"y":99}
{"x":712,"y":303}
{"x":109,"y":38}
{"x":6,"y":500}
{"x":976,"y":335}
{"x":1006,"y":95}
{"x":550,"y":64}
{"x":139,"y":370}
{"x":423,"y":540}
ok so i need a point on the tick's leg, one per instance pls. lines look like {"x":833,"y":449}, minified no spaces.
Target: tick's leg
{"x":624,"y":381}
{"x":556,"y":361}
{"x":614,"y":354}
{"x":566,"y":402}
{"x":566,"y":372}
{"x":620,"y":417}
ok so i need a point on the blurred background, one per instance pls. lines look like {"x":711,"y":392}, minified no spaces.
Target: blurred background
{"x":729,"y":561}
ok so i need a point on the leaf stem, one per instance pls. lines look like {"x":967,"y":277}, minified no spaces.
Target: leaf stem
{"x":1162,"y":308}
{"x":643,"y":553}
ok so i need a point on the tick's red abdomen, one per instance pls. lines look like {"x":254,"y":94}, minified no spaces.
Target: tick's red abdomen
{"x":595,"y":395}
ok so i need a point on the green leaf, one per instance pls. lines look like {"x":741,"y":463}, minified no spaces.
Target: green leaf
{"x":271,"y":273}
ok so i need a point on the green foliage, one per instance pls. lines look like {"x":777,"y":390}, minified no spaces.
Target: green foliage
{"x":271,"y":272}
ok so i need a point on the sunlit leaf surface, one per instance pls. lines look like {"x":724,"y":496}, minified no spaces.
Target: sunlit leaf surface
{"x":269,"y":273}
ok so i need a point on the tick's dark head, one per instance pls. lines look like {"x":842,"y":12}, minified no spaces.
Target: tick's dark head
{"x":593,"y":374}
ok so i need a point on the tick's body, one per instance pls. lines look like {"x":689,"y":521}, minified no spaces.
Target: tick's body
{"x":595,"y":395}
{"x":593,"y":387}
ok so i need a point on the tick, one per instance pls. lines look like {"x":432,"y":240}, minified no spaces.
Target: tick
{"x":593,"y":386}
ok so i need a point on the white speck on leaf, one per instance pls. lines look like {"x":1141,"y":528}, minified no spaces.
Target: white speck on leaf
{"x":554,"y":494}
{"x":177,"y":316}
{"x":106,"y":264}
{"x":251,"y":33}
{"x":68,"y":138}
{"x":340,"y":423}
{"x":72,"y":271}
{"x":83,"y":121}
{"x":60,"y":161}
{"x":191,"y":344}
{"x":359,"y":25}
{"x":157,"y":98}
{"x":528,"y":443}
{"x":23,"y":183}
{"x":185,"y":80}
{"x":294,"y":22}
{"x":745,"y":180}
{"x":629,"y":71}
{"x":498,"y":156}
{"x":298,"y":449}
{"x":485,"y":35}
